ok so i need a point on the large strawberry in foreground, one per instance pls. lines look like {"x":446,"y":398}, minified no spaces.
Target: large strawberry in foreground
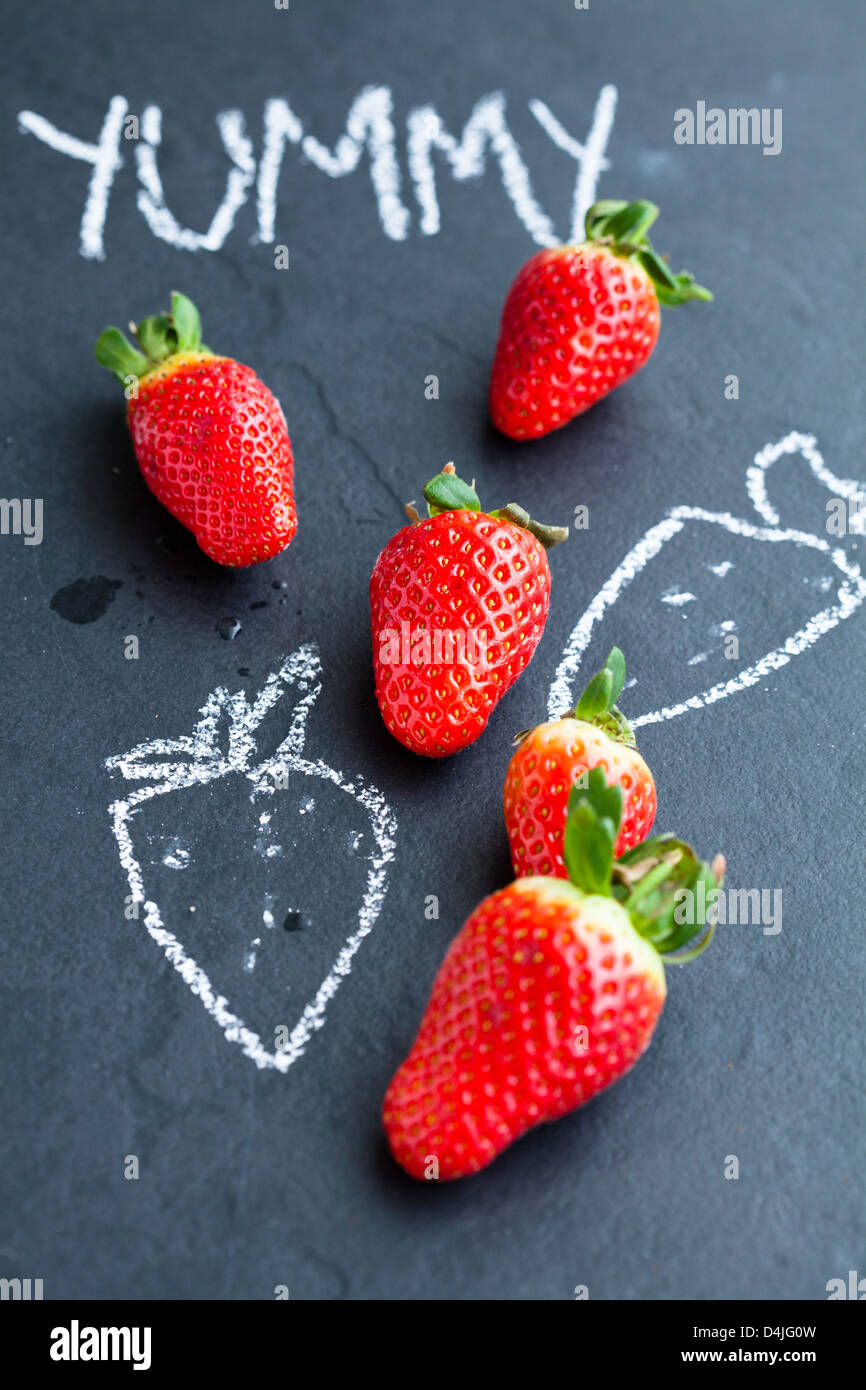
{"x":549,"y":993}
{"x":551,"y":758}
{"x":458,"y":603}
{"x":580,"y":320}
{"x":210,"y":438}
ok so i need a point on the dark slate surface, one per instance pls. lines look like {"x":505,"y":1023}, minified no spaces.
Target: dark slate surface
{"x":249,"y":1178}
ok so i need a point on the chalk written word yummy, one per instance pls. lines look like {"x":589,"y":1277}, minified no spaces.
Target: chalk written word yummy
{"x":223,"y":745}
{"x":370,"y":130}
{"x":790,"y":545}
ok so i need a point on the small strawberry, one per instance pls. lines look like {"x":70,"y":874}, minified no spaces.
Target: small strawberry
{"x":555,"y":755}
{"x":210,"y":438}
{"x":580,"y":320}
{"x":458,"y":603}
{"x":551,"y":992}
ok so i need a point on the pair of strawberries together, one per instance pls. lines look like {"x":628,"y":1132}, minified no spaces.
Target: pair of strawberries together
{"x":553,"y":988}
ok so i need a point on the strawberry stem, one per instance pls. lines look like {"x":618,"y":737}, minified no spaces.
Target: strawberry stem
{"x":549,"y":536}
{"x":115,"y":351}
{"x":157,"y":339}
{"x":623,"y":227}
{"x":668,"y":893}
{"x":594,"y":813}
{"x":597,"y":704}
{"x":447,"y":493}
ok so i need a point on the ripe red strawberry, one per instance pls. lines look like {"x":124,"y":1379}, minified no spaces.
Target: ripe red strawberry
{"x":458,"y":604}
{"x":553,"y":756}
{"x":210,"y":438}
{"x":551,"y":992}
{"x":580,"y":320}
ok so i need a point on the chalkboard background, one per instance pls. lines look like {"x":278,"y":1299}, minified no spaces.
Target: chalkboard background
{"x":252,"y":1178}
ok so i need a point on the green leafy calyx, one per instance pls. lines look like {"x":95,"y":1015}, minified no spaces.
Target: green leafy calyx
{"x":155,"y":340}
{"x":669,"y":893}
{"x":597,"y":705}
{"x":624,"y":227}
{"x":448,"y":493}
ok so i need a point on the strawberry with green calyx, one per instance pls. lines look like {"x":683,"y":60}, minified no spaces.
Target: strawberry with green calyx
{"x":553,"y":756}
{"x":210,"y":438}
{"x":458,"y":603}
{"x":550,"y":992}
{"x":580,"y":320}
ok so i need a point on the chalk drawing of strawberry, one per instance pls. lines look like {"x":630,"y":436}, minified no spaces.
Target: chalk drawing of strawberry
{"x":753,"y":581}
{"x":203,"y":808}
